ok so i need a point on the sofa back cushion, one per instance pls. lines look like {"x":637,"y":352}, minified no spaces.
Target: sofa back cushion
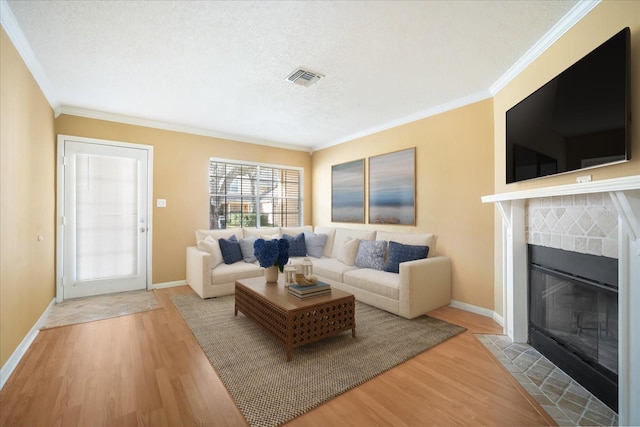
{"x":272,"y":232}
{"x":342,"y":234}
{"x":216,"y":234}
{"x":421,"y":239}
{"x":294,"y":231}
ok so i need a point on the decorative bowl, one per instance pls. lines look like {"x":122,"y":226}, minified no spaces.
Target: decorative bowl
{"x":303,"y":280}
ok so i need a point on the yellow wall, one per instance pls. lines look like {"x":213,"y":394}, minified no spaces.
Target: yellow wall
{"x":604,"y":21}
{"x":181,"y":166}
{"x":27,"y":200}
{"x":454,"y":168}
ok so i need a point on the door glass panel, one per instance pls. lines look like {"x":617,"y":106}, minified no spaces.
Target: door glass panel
{"x":106,"y":217}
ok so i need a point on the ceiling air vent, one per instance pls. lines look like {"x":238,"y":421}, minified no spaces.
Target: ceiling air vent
{"x":303,"y":77}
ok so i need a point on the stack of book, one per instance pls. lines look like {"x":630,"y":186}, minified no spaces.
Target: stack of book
{"x":304,"y":292}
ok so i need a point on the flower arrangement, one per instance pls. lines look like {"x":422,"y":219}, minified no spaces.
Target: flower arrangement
{"x":272,"y":252}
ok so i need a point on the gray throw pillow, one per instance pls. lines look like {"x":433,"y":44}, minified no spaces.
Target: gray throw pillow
{"x":371,"y":254}
{"x":246,"y":247}
{"x":315,"y":243}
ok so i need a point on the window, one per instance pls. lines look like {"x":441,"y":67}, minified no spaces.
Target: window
{"x":253,"y":195}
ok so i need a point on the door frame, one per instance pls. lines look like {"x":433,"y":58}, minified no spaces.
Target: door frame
{"x":60,"y":203}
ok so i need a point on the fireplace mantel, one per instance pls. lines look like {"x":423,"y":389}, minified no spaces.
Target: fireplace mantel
{"x":603,"y":186}
{"x":625,"y":195}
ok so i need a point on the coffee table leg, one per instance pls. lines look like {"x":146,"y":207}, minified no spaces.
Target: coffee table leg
{"x":353,"y":332}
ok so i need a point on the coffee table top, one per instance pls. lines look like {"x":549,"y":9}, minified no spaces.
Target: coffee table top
{"x":278,"y":293}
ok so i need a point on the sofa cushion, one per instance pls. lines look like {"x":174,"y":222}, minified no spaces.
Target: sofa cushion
{"x":342,"y":234}
{"x":420,"y":239}
{"x":371,"y":254}
{"x":216,"y":234}
{"x":246,"y":246}
{"x":348,"y":251}
{"x":292,"y":231}
{"x":229,"y":273}
{"x":331,"y":268}
{"x":230,"y":249}
{"x":210,"y":245}
{"x":331,"y":234}
{"x":297,"y":245}
{"x":265,"y":232}
{"x":401,"y":253}
{"x":374,"y":281}
{"x":315,"y":243}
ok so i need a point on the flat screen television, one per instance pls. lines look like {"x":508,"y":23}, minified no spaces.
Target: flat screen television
{"x":580,"y":119}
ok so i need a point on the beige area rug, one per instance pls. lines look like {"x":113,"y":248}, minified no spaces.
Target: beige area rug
{"x":99,"y":307}
{"x":270,"y":391}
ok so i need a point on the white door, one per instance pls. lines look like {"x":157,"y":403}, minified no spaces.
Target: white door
{"x":104,"y":219}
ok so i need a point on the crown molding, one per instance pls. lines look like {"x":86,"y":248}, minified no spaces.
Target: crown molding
{"x":438,"y":109}
{"x":137,"y":121}
{"x":10,"y":25}
{"x":569,"y":20}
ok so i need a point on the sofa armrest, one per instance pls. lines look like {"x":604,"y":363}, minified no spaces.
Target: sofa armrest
{"x":425,"y":285}
{"x":198,"y":270}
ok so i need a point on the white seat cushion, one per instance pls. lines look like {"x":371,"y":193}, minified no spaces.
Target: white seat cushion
{"x":375,"y":281}
{"x":229,"y":273}
{"x":330,"y":268}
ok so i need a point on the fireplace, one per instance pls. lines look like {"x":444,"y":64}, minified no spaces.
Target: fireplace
{"x":512,"y":269}
{"x":573,"y":316}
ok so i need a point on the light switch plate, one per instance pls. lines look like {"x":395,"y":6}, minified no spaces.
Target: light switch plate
{"x":161,"y":203}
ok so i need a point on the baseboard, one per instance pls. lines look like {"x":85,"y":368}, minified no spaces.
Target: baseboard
{"x":498,"y":319}
{"x":11,"y":364}
{"x":169,"y":284}
{"x":472,"y":308}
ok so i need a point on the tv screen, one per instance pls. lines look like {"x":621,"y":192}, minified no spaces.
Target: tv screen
{"x":580,"y":119}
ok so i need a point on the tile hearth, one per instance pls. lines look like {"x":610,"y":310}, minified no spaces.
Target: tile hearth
{"x":560,"y":396}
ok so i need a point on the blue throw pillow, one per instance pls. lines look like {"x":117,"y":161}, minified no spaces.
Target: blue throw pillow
{"x":371,"y":254}
{"x":402,"y":253}
{"x":297,"y":245}
{"x":230,"y":249}
{"x":246,"y":247}
{"x":315,"y":243}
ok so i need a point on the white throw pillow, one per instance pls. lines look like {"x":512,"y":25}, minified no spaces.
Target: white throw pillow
{"x":210,"y":245}
{"x":348,"y":251}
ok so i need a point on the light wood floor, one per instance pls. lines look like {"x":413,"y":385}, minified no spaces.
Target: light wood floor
{"x":147,"y":369}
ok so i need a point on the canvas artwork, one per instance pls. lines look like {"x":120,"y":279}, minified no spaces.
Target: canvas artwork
{"x":392,"y":188}
{"x":347,"y":192}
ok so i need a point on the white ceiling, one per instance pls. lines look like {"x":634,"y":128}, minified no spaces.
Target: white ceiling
{"x":218,"y":67}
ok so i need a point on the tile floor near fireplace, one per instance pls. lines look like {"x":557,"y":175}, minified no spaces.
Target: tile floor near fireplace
{"x":561,"y":397}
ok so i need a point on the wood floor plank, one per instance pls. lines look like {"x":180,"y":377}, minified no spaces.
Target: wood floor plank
{"x":147,"y":369}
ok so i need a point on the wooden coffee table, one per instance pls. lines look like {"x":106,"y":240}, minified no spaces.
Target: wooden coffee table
{"x":293,"y":321}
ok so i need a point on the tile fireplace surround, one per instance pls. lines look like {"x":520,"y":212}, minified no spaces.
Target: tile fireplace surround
{"x":602,"y":218}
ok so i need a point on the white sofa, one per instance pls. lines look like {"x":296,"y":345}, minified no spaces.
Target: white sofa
{"x":419,"y":286}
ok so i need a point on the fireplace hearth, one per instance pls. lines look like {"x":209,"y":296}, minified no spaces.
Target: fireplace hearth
{"x":573,"y":316}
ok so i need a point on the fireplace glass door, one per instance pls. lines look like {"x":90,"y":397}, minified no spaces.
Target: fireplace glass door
{"x":582,"y":317}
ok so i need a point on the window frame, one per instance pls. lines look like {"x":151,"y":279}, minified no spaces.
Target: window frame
{"x":256,"y":197}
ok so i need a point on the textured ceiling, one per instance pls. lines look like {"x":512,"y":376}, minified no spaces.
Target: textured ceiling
{"x":220,"y":67}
